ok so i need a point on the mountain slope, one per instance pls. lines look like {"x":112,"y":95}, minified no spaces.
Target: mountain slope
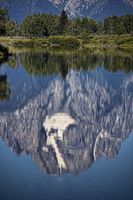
{"x":98,"y":9}
{"x":19,"y":9}
{"x":95,"y":8}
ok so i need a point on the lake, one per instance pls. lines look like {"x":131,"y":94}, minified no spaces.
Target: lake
{"x":66,"y":124}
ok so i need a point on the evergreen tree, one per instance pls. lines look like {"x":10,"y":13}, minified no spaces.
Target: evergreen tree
{"x":63,"y":22}
{"x":4,"y":17}
{"x":11,"y":28}
{"x":111,"y":24}
{"x":34,"y":26}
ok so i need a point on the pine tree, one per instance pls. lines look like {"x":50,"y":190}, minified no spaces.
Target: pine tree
{"x":63,"y":22}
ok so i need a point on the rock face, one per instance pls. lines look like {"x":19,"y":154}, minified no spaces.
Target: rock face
{"x":98,"y":9}
{"x":97,"y":117}
{"x":94,"y":8}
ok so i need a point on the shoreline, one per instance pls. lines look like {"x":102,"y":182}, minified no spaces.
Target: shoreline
{"x":90,"y":41}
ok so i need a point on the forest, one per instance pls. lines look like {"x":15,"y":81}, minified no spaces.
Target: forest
{"x":43,"y":25}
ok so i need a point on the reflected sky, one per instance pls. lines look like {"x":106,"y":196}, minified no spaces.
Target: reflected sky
{"x":66,"y":110}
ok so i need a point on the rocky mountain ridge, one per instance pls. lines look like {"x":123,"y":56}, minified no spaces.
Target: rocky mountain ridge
{"x":98,"y":9}
{"x":92,"y":8}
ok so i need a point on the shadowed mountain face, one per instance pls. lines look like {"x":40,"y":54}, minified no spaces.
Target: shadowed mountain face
{"x":98,"y":9}
{"x":94,"y":8}
{"x":66,"y":123}
{"x":19,"y":9}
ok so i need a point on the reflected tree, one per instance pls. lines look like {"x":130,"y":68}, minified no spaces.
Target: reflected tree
{"x":4,"y":54}
{"x":48,"y":62}
{"x":118,"y":63}
{"x":4,"y":88}
{"x":12,"y":61}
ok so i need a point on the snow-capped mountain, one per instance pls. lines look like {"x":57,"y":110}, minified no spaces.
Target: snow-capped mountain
{"x":98,"y":9}
{"x":94,"y":8}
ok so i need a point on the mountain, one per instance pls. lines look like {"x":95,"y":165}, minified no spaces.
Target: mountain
{"x":95,"y":8}
{"x":98,"y":9}
{"x":19,"y":9}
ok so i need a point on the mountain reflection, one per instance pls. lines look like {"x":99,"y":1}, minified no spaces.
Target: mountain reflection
{"x":72,"y":121}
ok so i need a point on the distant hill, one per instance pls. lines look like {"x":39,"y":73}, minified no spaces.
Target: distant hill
{"x":98,"y":9}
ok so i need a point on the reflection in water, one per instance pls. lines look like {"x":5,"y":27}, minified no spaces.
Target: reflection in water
{"x":42,"y":62}
{"x":4,"y":85}
{"x":55,"y":127}
{"x":4,"y":88}
{"x":66,"y":124}
{"x":55,"y":63}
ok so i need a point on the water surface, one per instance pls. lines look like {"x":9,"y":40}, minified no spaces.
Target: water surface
{"x":66,"y":123}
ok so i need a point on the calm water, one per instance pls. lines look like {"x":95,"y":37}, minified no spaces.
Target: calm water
{"x":66,"y":124}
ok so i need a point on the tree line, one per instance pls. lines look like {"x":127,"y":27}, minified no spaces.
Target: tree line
{"x":40,"y":25}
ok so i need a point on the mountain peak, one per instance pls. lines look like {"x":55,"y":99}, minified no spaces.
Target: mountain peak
{"x":94,"y":8}
{"x":98,"y":9}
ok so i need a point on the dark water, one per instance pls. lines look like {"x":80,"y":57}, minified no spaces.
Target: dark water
{"x":66,"y":124}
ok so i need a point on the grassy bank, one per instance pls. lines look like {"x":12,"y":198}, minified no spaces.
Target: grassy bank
{"x":53,"y":41}
{"x":89,"y":41}
{"x":108,"y":41}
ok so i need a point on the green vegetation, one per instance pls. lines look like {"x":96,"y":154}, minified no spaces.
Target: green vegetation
{"x":119,"y":25}
{"x":52,"y":41}
{"x":65,"y":41}
{"x":10,"y":28}
{"x":63,"y":22}
{"x":91,"y":41}
{"x":34,"y":26}
{"x":107,"y":41}
{"x":41,"y":25}
{"x":4,"y":18}
{"x":51,"y":30}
